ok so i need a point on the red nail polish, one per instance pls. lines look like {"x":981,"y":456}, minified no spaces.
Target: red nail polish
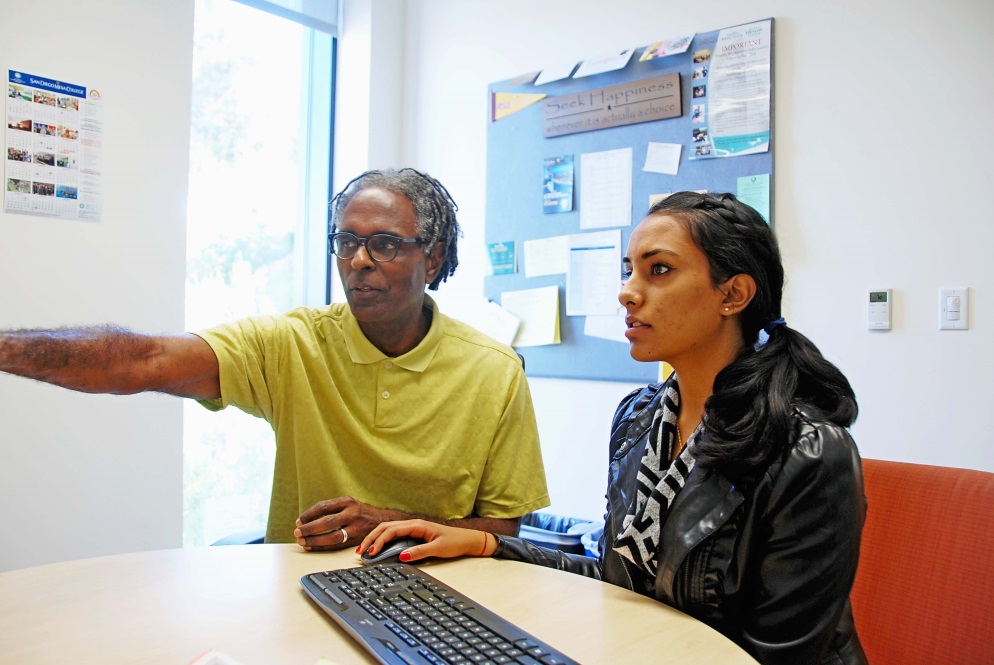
{"x":357,"y":549}
{"x":405,"y":556}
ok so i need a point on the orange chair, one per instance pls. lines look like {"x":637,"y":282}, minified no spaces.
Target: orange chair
{"x":924,"y":590}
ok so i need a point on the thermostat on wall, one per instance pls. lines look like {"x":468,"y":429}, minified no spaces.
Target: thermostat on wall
{"x":878,"y":314}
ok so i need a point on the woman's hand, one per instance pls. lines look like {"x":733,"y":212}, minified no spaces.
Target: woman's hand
{"x":441,"y":541}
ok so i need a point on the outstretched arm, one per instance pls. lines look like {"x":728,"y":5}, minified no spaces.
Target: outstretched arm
{"x":319,"y":528}
{"x":109,"y":359}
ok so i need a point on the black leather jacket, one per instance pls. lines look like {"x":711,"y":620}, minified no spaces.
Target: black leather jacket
{"x":769,"y":565}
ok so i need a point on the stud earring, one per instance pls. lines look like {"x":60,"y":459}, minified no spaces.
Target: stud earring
{"x":726,"y":309}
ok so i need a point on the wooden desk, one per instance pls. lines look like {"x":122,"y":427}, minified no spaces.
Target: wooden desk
{"x":169,"y":606}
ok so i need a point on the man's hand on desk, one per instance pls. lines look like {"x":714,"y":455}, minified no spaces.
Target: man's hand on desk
{"x":333,"y":524}
{"x":345,"y":522}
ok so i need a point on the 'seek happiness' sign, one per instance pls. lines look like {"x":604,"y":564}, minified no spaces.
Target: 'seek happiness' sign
{"x":623,"y":104}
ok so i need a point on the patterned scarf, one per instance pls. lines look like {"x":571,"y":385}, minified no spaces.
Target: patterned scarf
{"x":657,"y":486}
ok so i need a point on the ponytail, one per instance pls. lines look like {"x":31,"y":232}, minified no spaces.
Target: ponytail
{"x":751,"y":415}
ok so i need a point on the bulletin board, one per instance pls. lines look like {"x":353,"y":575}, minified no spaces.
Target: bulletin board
{"x":519,"y":144}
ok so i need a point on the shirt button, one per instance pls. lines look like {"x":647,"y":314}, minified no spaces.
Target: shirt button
{"x":386,"y":394}
{"x":389,"y":365}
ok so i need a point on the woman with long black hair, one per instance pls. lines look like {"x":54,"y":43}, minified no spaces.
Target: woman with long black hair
{"x":735,"y":491}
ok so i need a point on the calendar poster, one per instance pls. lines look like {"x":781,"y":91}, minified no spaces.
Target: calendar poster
{"x":53,"y":143}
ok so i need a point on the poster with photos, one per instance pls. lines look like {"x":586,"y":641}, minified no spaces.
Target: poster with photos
{"x":52,"y":165}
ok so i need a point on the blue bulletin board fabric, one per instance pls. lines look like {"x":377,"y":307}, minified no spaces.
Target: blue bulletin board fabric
{"x":517,"y":153}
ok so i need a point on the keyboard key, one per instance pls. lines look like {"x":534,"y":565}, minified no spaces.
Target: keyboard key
{"x":527,"y":660}
{"x":430,"y":657}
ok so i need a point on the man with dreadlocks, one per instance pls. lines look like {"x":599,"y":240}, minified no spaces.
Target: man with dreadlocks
{"x":383,"y":408}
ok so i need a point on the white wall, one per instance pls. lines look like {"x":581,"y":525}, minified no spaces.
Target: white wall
{"x":84,"y":475}
{"x":882,"y":162}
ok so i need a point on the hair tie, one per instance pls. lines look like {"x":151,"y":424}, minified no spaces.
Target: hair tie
{"x":773,"y":324}
{"x":764,"y":333}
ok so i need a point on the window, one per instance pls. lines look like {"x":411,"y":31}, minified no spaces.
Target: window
{"x":260,"y":161}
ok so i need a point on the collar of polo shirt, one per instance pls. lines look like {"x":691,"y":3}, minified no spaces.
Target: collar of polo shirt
{"x":362,"y":351}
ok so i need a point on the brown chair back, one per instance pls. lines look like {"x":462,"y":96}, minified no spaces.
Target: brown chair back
{"x":924,"y":589}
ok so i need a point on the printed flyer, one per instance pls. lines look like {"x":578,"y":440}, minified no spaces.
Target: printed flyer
{"x":739,"y":90}
{"x":503,"y":260}
{"x":557,"y":185}
{"x":54,"y":144}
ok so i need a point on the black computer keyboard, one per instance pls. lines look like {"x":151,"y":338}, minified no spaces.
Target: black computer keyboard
{"x":400,"y":614}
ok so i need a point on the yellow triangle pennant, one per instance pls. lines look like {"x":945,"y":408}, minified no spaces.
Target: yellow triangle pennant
{"x":504,"y":104}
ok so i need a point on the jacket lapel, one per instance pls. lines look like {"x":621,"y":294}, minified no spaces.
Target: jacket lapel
{"x":706,"y":502}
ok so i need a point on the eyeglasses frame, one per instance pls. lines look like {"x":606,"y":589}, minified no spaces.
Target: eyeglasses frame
{"x":364,"y":242}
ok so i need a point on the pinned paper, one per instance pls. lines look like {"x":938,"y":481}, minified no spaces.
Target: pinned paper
{"x":611,"y":327}
{"x":606,"y":188}
{"x":503,"y":259}
{"x":523,"y":79}
{"x":663,"y":158}
{"x":667,"y":47}
{"x":490,"y":318}
{"x":594,"y":275}
{"x":754,"y":190}
{"x":538,"y":311}
{"x":547,"y":256}
{"x":557,"y":186}
{"x":504,"y":104}
{"x":604,"y":63}
{"x":740,"y":89}
{"x":555,"y":73}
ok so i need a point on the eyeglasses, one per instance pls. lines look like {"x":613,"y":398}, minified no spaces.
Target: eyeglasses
{"x":381,"y":247}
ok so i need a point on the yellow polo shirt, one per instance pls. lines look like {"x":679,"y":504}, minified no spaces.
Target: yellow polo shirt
{"x":446,"y":430}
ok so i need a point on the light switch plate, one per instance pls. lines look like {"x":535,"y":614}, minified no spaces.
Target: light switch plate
{"x":954,"y":308}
